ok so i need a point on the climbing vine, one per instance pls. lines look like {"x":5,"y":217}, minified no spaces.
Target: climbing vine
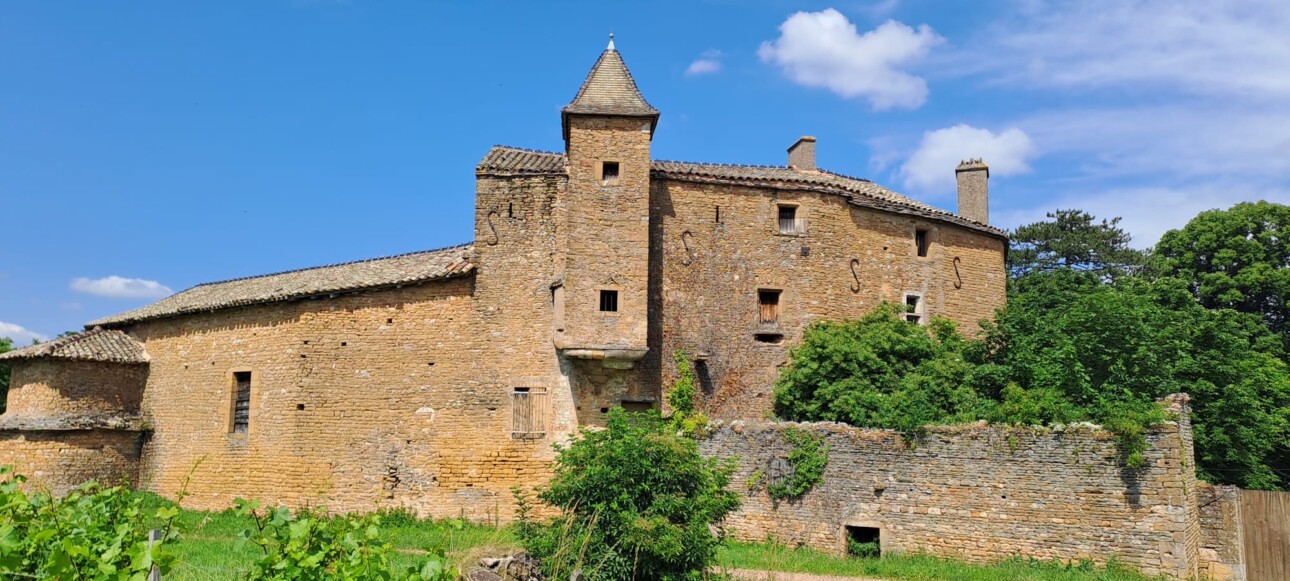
{"x":808,"y":457}
{"x":685,"y":417}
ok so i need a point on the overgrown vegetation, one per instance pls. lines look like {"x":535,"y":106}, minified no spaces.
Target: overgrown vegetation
{"x":94,"y":533}
{"x":636,"y":502}
{"x":808,"y":455}
{"x":680,"y":397}
{"x":316,"y":547}
{"x":1087,"y":336}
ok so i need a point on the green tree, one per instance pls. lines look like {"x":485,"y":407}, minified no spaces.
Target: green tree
{"x":879,"y":371}
{"x":6,"y":344}
{"x":1068,"y":347}
{"x":1237,"y":258}
{"x":1075,"y":240}
{"x":636,"y":502}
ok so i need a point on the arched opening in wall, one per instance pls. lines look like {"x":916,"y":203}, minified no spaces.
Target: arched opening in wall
{"x":864,"y":542}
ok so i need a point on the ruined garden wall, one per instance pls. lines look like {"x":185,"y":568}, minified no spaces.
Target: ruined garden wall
{"x":1222,"y":551}
{"x":711,"y":272}
{"x":979,"y":493}
{"x":62,"y":460}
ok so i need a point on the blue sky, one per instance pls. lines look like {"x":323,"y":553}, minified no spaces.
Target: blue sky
{"x":149,"y":146}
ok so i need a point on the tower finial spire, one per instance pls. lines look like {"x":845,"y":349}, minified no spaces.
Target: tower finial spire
{"x":611,"y":41}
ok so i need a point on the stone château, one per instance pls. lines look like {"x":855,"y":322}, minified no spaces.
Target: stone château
{"x":437,"y":380}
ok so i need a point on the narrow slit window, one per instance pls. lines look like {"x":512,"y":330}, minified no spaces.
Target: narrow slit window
{"x":528,"y":412}
{"x":914,"y":308}
{"x":922,"y":241}
{"x":241,"y":402}
{"x":768,"y":301}
{"x":608,"y":301}
{"x":718,"y":214}
{"x":609,"y":171}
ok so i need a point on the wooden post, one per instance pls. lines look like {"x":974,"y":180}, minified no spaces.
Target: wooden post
{"x":154,"y":535}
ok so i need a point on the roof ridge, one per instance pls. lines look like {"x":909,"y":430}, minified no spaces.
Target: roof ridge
{"x":525,"y":149}
{"x":719,"y":164}
{"x":322,"y":266}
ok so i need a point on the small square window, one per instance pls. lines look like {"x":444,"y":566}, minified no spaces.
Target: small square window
{"x":922,"y":241}
{"x":609,"y":171}
{"x":789,"y":223}
{"x":914,"y":308}
{"x":608,"y":301}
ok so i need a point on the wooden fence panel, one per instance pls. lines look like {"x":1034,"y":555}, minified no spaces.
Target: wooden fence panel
{"x":1266,"y":520}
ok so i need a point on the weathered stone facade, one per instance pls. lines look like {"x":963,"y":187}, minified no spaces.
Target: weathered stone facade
{"x":979,"y":493}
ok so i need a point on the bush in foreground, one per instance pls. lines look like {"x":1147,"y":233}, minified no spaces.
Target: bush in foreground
{"x":93,"y":533}
{"x":637,"y":502}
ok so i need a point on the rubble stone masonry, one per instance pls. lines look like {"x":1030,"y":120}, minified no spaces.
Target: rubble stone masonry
{"x":979,"y":493}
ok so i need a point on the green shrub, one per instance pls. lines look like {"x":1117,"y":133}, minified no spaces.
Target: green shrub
{"x":308,"y":546}
{"x":93,"y":533}
{"x":636,"y":502}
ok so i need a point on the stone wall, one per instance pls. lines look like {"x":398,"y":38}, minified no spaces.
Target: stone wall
{"x":57,"y":388}
{"x":979,"y":493}
{"x":711,"y":271}
{"x":1222,"y":551}
{"x":383,"y":398}
{"x":62,"y":460}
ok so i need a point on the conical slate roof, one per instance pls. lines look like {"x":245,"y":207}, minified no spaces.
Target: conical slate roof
{"x":609,"y":90}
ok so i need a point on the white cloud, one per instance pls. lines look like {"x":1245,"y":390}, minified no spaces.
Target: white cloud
{"x":708,"y":63}
{"x":823,"y":49}
{"x":121,"y":288}
{"x":1237,"y":49}
{"x":931,"y":167}
{"x":20,"y":335}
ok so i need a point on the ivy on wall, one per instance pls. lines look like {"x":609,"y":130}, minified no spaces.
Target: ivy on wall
{"x":807,"y":457}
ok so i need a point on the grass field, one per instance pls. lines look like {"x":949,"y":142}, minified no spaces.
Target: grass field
{"x":773,"y":557}
{"x":206,"y":544}
{"x":206,"y":552}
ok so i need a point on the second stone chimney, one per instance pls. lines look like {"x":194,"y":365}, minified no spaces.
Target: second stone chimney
{"x":801,"y":156}
{"x":974,"y":195}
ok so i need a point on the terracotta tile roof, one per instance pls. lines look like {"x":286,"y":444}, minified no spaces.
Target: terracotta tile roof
{"x":609,"y":89}
{"x":368,"y":274}
{"x":513,"y":160}
{"x":502,"y":160}
{"x":97,"y":344}
{"x":858,"y":191}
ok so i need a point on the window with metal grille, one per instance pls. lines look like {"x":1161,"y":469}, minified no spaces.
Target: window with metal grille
{"x":241,"y":402}
{"x":769,"y":302}
{"x":608,"y":301}
{"x":528,"y":412}
{"x":922,"y":241}
{"x":789,"y":223}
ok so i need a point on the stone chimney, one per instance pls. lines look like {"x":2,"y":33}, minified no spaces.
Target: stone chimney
{"x":801,"y":155}
{"x":974,"y":196}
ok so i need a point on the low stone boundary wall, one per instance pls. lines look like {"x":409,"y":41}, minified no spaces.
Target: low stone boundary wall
{"x":978,"y":492}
